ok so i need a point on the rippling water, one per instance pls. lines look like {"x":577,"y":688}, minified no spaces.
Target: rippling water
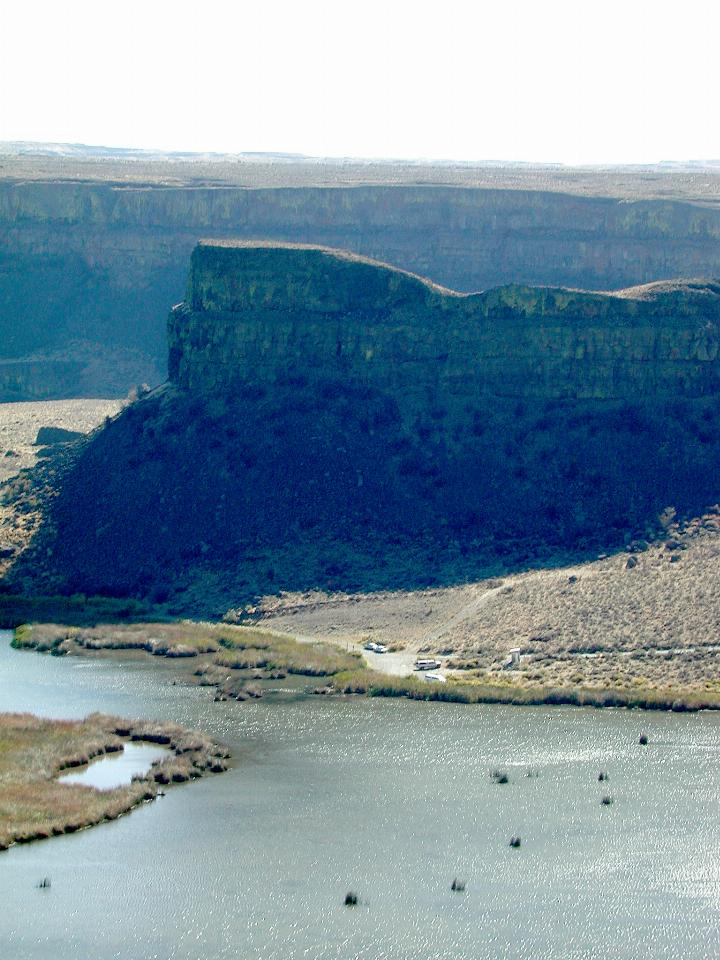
{"x":389,"y":799}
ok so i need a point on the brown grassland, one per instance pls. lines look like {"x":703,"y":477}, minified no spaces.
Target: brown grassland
{"x":642,"y":625}
{"x":33,"y":751}
{"x":231,"y":658}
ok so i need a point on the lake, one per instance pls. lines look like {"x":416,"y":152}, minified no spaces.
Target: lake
{"x":392,"y":800}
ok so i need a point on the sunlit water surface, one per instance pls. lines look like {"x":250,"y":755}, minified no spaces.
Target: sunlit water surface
{"x":387,"y":798}
{"x":117,"y":769}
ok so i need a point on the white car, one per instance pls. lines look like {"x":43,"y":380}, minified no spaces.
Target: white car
{"x":427,"y":664}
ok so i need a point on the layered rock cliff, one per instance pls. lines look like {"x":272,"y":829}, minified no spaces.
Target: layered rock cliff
{"x":259,"y":313}
{"x":98,"y":263}
{"x":335,"y":422}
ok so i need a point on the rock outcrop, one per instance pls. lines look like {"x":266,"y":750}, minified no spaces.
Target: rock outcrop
{"x":260,"y":313}
{"x":99,"y":262}
{"x":331,"y":421}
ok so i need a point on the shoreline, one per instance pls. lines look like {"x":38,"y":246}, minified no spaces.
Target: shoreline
{"x":35,"y":805}
{"x":376,"y":684}
{"x":238,"y":662}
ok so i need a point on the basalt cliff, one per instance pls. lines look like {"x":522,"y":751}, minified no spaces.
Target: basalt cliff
{"x":334,"y":421}
{"x":260,"y":313}
{"x":91,"y":255}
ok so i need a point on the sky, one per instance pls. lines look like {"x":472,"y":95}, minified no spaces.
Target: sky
{"x":587,"y":81}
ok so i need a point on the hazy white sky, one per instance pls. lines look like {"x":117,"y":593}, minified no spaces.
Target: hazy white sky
{"x":561,"y":80}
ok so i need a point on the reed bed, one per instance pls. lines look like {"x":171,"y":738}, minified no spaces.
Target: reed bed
{"x":374,"y":684}
{"x":234,"y":647}
{"x":35,"y":805}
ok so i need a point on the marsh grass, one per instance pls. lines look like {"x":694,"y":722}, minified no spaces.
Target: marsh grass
{"x":376,"y":684}
{"x":279,"y":652}
{"x":224,"y":647}
{"x":35,"y":805}
{"x":231,"y":647}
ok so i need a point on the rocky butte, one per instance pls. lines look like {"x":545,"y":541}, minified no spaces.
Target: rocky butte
{"x":92,"y":252}
{"x":263,"y":312}
{"x":333,"y":421}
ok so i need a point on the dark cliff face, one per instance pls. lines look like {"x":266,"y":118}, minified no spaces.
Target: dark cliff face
{"x":333,"y":422}
{"x":96,"y":264}
{"x":260,"y":313}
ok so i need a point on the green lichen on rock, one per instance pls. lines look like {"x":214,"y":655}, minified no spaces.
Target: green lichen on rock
{"x":257,"y":312}
{"x":88,"y":266}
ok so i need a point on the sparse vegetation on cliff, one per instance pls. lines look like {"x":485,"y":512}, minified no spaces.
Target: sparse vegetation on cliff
{"x":436,"y":469}
{"x":364,"y":504}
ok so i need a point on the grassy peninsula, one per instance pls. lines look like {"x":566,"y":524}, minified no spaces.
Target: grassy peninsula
{"x":35,"y":805}
{"x":244,"y":662}
{"x":234,"y":659}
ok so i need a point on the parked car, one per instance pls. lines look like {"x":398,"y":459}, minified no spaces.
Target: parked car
{"x":427,"y":664}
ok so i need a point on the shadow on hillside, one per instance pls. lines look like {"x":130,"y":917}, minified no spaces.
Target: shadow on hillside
{"x":209,"y":593}
{"x":193,"y":506}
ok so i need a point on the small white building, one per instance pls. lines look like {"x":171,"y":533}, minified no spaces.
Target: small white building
{"x":513,"y":660}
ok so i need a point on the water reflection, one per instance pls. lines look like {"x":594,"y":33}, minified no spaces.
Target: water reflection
{"x":388,"y":799}
{"x":117,"y":769}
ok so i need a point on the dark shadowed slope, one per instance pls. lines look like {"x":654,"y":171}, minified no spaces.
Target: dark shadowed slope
{"x":334,"y":422}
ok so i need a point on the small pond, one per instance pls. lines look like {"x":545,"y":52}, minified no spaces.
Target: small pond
{"x":117,"y":769}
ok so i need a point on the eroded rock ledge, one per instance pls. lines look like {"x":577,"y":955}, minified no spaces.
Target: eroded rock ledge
{"x":265,"y":313}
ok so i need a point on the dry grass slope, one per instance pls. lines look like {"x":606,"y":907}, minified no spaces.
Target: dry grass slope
{"x":649,"y":619}
{"x":645,"y":621}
